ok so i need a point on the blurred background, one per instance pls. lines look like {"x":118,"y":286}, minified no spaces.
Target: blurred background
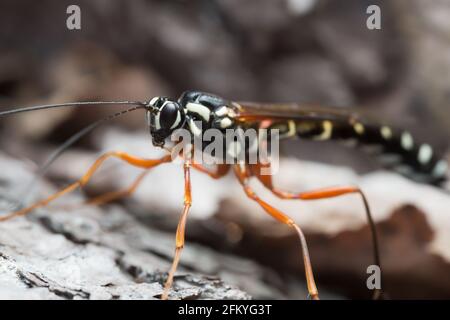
{"x":256,"y":50}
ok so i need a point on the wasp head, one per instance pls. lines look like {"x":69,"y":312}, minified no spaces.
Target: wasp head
{"x":164,"y":116}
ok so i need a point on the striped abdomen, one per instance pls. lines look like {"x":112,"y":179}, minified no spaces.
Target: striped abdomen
{"x":397,"y":150}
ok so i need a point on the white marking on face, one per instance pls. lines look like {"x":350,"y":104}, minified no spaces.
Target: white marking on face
{"x":196,"y":131}
{"x":327,"y":131}
{"x":199,"y":109}
{"x":177,"y":120}
{"x":359,"y":128}
{"x":440,"y":169}
{"x":157,"y":121}
{"x":153,"y":101}
{"x":425,"y":154}
{"x":386,"y":132}
{"x":148,"y":117}
{"x":407,"y":141}
{"x":222,"y":111}
{"x":225,"y":123}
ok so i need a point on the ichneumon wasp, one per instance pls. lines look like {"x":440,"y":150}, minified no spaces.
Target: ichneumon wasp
{"x":165,"y":116}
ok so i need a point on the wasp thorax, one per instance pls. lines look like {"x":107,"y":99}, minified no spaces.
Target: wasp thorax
{"x":164,"y":116}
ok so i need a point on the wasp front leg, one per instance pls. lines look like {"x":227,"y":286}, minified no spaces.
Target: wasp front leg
{"x":109,"y":196}
{"x":132,"y":160}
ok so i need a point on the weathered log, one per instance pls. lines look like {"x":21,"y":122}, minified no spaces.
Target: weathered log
{"x":91,"y":253}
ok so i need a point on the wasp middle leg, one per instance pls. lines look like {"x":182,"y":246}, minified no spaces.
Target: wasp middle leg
{"x":179,"y":239}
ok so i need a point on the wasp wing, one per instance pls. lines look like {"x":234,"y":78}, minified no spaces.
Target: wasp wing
{"x":250,"y":111}
{"x":396,"y":148}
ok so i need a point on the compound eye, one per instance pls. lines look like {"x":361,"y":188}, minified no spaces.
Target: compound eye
{"x":170,"y":116}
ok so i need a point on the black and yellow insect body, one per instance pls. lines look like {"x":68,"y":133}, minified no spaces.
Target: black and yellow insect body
{"x":198,"y":111}
{"x":396,"y":149}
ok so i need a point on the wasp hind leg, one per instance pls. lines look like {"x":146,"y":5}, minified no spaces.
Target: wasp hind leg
{"x":132,"y":160}
{"x":243,"y":175}
{"x":326,"y":193}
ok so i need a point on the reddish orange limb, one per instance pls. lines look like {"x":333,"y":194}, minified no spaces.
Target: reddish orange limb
{"x":115,"y":195}
{"x":179,"y":239}
{"x":134,"y":161}
{"x":324,"y":193}
{"x":243,"y":175}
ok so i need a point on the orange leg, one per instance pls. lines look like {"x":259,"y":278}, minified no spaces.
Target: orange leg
{"x":326,"y":193}
{"x":179,"y":240}
{"x":114,"y":195}
{"x":243,"y":175}
{"x":109,"y":196}
{"x":134,"y":161}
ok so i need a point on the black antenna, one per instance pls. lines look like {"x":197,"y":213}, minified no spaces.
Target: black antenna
{"x":67,"y":104}
{"x":69,"y":142}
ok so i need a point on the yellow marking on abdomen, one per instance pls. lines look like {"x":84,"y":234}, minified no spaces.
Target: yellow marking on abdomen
{"x":327,"y":131}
